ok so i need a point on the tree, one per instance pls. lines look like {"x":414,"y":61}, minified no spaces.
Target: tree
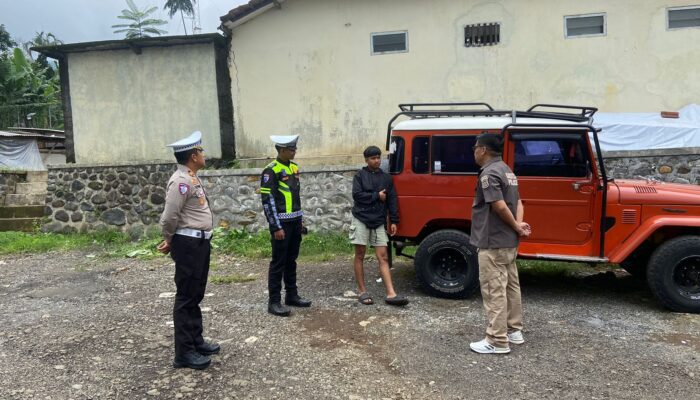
{"x":6,"y":42}
{"x":41,"y":39}
{"x":141,"y":26}
{"x":183,"y":6}
{"x":22,"y":82}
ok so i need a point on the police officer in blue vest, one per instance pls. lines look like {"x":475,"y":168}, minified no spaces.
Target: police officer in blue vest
{"x":279,"y":189}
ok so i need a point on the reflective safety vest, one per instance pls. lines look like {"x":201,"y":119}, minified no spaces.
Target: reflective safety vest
{"x":279,"y":189}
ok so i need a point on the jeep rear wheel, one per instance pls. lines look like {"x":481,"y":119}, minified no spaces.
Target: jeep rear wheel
{"x":673,"y":274}
{"x":447,"y":265}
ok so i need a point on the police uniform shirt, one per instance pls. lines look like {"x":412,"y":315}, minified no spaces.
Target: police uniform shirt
{"x":496,"y":182}
{"x":186,"y":204}
{"x":279,"y":189}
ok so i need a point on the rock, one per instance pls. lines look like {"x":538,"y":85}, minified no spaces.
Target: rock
{"x":71,"y":206}
{"x":157,"y":198}
{"x":98,"y":199}
{"x":86,"y":206}
{"x":349,"y":293}
{"x":114,"y":216}
{"x":76,"y":216}
{"x":58,"y":203}
{"x":251,"y":339}
{"x":665,"y":169}
{"x":62,"y":216}
{"x":77,"y":186}
{"x":95,"y":185}
{"x":77,"y":386}
{"x":153,"y":392}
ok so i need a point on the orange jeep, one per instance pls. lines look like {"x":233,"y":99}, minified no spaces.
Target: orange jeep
{"x":576,"y":211}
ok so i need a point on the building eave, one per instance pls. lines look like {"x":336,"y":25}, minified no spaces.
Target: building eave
{"x":247,"y":12}
{"x":60,"y":51}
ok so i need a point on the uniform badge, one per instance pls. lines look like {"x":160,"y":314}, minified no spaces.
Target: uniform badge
{"x":284,"y":173}
{"x":266,"y":178}
{"x":183,"y":188}
{"x":484,"y":182}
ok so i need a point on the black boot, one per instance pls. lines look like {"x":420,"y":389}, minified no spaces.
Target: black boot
{"x":278,"y":309}
{"x":207,"y":349}
{"x":297,"y":301}
{"x":192,"y":360}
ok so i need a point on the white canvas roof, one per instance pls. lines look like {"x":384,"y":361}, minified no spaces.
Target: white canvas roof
{"x":648,"y":131}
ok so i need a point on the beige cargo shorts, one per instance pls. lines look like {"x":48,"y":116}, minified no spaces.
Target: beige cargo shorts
{"x":360,"y":234}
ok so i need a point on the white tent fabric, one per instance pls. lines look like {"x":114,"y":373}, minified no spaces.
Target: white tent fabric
{"x":20,"y":154}
{"x":647,"y":131}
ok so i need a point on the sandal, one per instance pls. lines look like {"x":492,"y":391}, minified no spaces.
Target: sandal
{"x":365,"y":299}
{"x":397,"y":300}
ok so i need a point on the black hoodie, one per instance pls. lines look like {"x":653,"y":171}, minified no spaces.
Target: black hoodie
{"x":365,"y":192}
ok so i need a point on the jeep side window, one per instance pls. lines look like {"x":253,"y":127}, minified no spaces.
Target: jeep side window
{"x":396,"y":150}
{"x":554,"y":156}
{"x":454,"y":154}
{"x":420,"y":160}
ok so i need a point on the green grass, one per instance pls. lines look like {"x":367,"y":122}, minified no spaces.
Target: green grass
{"x":314,"y":247}
{"x":231,"y":278}
{"x":21,"y":242}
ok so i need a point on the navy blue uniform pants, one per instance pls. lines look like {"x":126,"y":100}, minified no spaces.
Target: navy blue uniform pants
{"x":191,"y":256}
{"x":284,"y":261}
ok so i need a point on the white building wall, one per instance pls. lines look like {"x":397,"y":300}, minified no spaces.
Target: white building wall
{"x":307,"y":68}
{"x":128,"y":106}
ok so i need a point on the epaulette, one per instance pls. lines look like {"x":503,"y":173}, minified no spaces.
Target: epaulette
{"x":271,"y":165}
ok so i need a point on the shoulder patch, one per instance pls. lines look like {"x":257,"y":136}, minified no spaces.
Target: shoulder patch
{"x":512,"y":179}
{"x":271,"y":165}
{"x":183,"y":188}
{"x":484,"y":182}
{"x":266,"y":178}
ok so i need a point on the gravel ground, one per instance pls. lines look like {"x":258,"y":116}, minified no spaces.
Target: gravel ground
{"x":80,"y":326}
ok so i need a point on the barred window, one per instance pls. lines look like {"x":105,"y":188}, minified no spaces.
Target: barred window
{"x":478,"y":35}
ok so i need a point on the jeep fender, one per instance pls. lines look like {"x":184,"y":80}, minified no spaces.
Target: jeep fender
{"x":646,"y":229}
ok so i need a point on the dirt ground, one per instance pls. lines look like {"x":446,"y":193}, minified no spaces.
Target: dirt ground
{"x":81,"y":326}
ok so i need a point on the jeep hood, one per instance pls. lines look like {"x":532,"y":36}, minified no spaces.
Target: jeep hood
{"x":658,"y":193}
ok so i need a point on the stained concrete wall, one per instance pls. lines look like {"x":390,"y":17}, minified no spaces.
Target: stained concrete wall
{"x":127,"y":106}
{"x":306,"y":67}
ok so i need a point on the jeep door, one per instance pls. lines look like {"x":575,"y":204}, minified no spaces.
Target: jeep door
{"x":558,"y":188}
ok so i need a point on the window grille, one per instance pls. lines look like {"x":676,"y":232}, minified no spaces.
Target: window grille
{"x":482,"y":34}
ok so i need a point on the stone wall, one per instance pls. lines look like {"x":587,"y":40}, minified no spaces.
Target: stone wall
{"x":672,"y":165}
{"x":130,"y":197}
{"x":82,"y":198}
{"x":8,"y":181}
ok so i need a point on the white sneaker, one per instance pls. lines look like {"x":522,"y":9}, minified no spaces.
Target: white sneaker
{"x":484,"y":347}
{"x":516,"y":337}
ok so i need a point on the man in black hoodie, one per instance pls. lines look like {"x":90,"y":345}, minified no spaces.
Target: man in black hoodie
{"x":374,"y":195}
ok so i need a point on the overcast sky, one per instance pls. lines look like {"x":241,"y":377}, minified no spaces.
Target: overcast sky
{"x":75,"y":21}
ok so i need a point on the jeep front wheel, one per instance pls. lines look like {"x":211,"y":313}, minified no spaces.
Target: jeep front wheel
{"x":673,"y":274}
{"x":446,"y":265}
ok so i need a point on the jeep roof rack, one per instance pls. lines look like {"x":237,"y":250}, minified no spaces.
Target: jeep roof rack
{"x":426,"y":111}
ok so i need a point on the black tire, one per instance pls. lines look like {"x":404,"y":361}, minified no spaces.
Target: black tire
{"x":673,"y":274}
{"x":637,"y":262}
{"x":446,"y":265}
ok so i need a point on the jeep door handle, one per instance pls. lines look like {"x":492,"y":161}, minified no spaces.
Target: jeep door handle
{"x":582,"y":186}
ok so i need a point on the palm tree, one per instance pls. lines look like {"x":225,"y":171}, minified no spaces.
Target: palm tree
{"x":184,"y":6}
{"x":41,"y":39}
{"x":141,"y":26}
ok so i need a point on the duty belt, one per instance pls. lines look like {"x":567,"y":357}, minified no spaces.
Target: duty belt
{"x":295,"y":214}
{"x":195,"y":233}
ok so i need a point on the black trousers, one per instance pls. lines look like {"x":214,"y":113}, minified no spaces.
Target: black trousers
{"x":191,"y":256}
{"x":284,"y":261}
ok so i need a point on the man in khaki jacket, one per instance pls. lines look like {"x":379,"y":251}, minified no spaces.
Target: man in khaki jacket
{"x":497,"y":225}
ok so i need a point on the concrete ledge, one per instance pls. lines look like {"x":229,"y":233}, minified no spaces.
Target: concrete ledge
{"x":652,"y":153}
